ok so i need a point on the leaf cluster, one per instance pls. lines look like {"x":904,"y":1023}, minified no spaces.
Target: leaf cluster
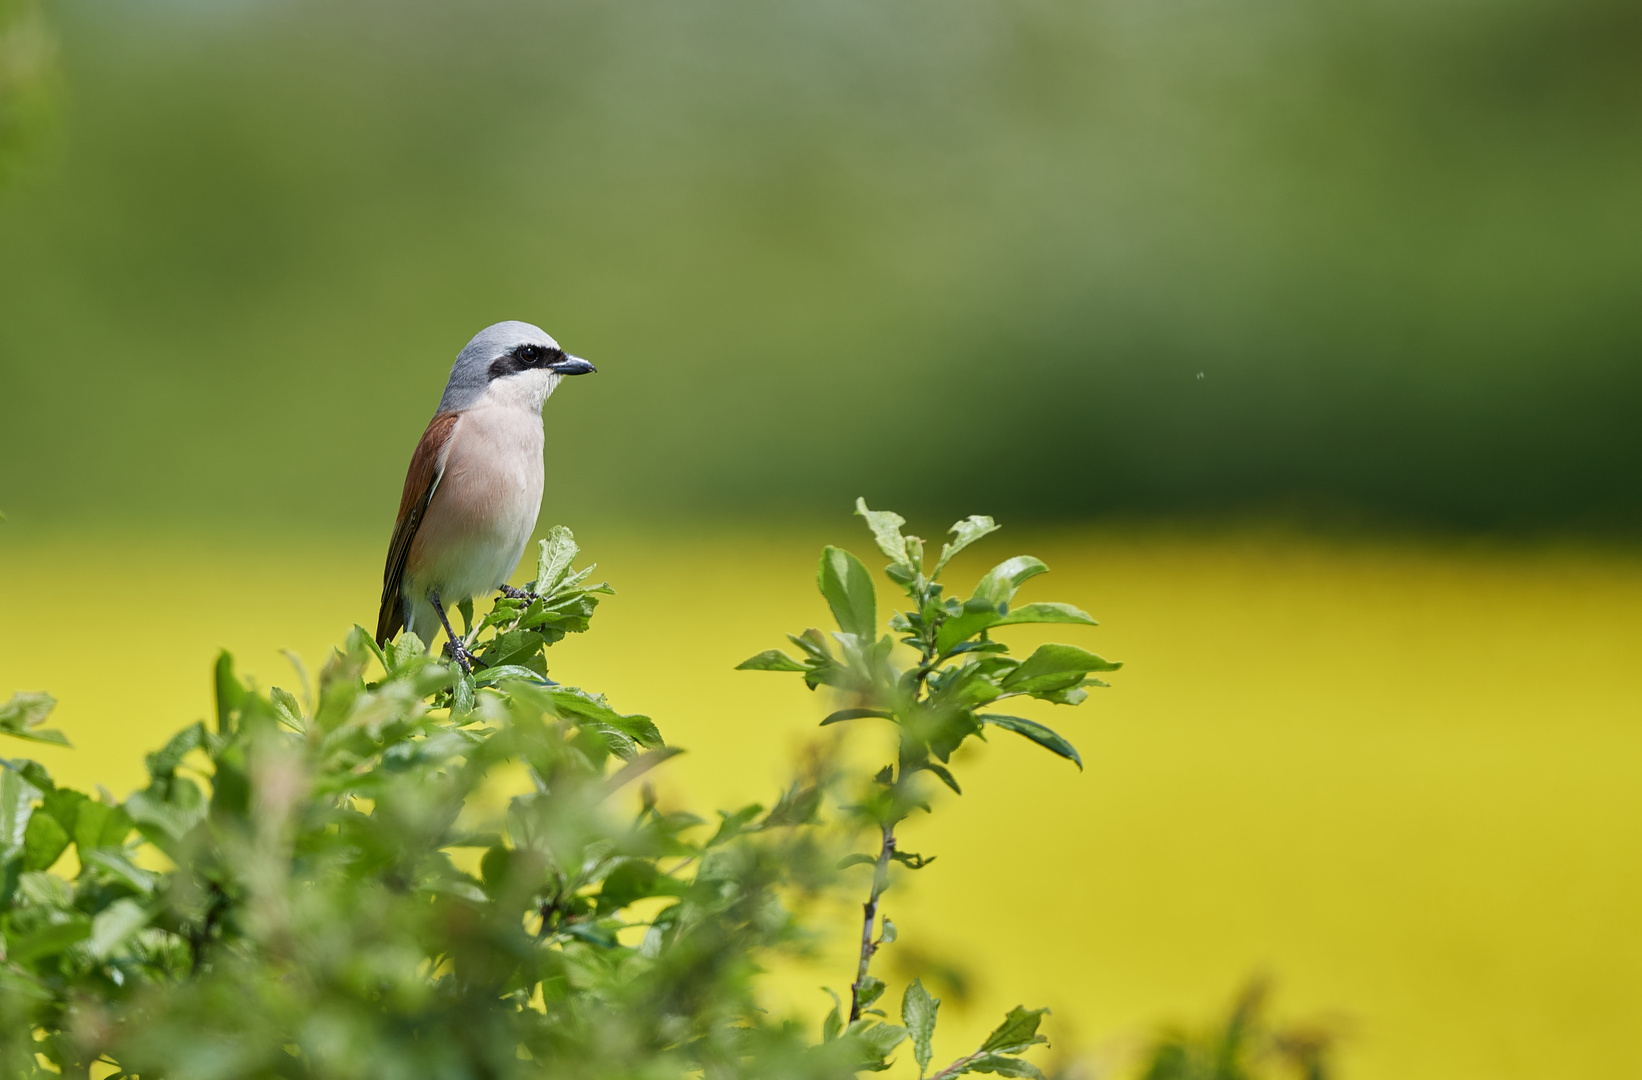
{"x":511,"y":641}
{"x":326,"y":884}
{"x":954,"y":674}
{"x":406,"y":870}
{"x":960,"y":672}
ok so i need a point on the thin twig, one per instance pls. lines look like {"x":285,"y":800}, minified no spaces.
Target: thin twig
{"x":957,"y":1066}
{"x":886,"y":853}
{"x":880,"y":879}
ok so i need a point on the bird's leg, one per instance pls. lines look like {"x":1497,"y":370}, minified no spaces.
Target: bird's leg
{"x":452,"y":643}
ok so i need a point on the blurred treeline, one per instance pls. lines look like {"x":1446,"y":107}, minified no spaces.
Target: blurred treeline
{"x":1365,"y":257}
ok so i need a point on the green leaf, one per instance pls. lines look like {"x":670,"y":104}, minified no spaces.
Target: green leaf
{"x":946,"y":776}
{"x":798,"y":805}
{"x":287,"y":706}
{"x":968,"y":684}
{"x":230,"y":693}
{"x":1055,"y":667}
{"x":1000,"y":584}
{"x":514,"y":647}
{"x":44,"y":841}
{"x":98,"y":824}
{"x":17,"y":798}
{"x":25,"y":712}
{"x":637,"y":767}
{"x":114,"y":924}
{"x":1003,"y":1066}
{"x":50,"y":941}
{"x":631,"y":881}
{"x":880,"y":1039}
{"x":871,"y":989}
{"x":918,"y":1011}
{"x":833,"y":1025}
{"x":64,"y":804}
{"x":770,"y":660}
{"x":847,"y":586}
{"x":813,"y":642}
{"x":856,"y":714}
{"x":571,"y":582}
{"x":558,"y":551}
{"x":365,"y":640}
{"x":568,"y":703}
{"x":120,"y":865}
{"x":856,"y":860}
{"x":886,"y":531}
{"x":461,"y":698}
{"x":48,"y":892}
{"x":32,"y":771}
{"x":1035,"y":731}
{"x":977,"y":615}
{"x":964,"y":533}
{"x":598,"y":934}
{"x":1046,"y":613}
{"x":887,"y":932}
{"x":734,"y":824}
{"x":1018,"y":1031}
{"x":490,"y":676}
{"x":164,"y":762}
{"x":911,"y":860}
{"x":403,"y":650}
{"x":169,"y":818}
{"x":496,"y":867}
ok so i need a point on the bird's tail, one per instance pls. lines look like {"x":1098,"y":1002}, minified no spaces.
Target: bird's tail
{"x":391,"y":619}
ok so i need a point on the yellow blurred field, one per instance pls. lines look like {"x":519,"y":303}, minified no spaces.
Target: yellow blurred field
{"x":1402,"y":779}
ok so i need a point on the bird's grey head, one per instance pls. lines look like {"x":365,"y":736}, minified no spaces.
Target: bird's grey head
{"x":509,"y":363}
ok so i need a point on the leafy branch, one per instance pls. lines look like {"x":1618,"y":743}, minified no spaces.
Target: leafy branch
{"x":347,"y":880}
{"x":335,"y":883}
{"x":403,"y":869}
{"x":935,"y":702}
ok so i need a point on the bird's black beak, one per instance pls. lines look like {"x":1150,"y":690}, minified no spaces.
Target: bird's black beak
{"x":572,"y":365}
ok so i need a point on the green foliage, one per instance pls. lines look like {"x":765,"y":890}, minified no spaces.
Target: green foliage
{"x":334,"y":881}
{"x":936,"y":700}
{"x":1245,"y":1046}
{"x":329,"y":883}
{"x":27,"y":72}
{"x":24,"y":713}
{"x":953,"y":670}
{"x":1372,"y":183}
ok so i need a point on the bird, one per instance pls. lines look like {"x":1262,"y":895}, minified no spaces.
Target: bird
{"x":474,"y":487}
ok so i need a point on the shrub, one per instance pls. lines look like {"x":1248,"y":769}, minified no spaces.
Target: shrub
{"x":334,"y":882}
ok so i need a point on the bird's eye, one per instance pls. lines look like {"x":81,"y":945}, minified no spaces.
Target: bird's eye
{"x":529,"y":355}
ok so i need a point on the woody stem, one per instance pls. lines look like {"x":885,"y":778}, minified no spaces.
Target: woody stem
{"x":869,"y":910}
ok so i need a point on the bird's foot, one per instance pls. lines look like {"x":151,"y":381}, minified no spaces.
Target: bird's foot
{"x":519,"y":594}
{"x":462,"y":655}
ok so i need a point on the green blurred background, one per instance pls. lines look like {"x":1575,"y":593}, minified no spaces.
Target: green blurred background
{"x":1298,"y":337}
{"x":1399,"y":241}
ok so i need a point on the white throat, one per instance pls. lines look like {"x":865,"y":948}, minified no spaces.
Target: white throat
{"x":526,"y":391}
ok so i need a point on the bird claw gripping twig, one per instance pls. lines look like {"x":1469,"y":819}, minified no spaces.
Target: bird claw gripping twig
{"x":455,"y":647}
{"x":461,"y":654}
{"x":519,"y":594}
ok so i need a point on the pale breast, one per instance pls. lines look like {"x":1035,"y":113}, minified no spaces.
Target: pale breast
{"x":484,"y":508}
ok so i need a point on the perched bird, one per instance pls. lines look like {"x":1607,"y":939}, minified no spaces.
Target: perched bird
{"x":474,"y":487}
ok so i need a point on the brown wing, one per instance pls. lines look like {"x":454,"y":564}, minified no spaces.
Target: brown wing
{"x":427,"y":465}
